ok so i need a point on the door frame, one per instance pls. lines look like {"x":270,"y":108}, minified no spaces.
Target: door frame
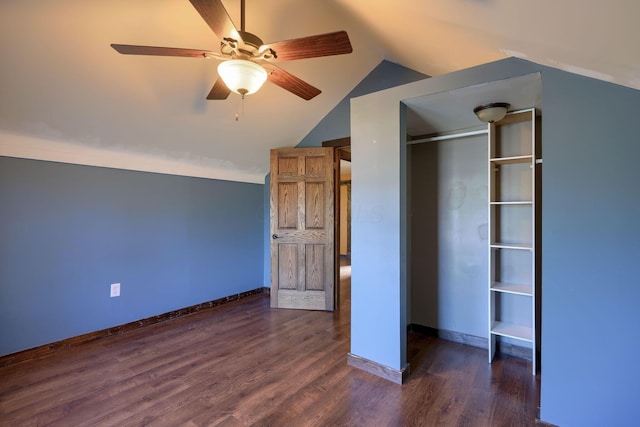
{"x":339,"y":153}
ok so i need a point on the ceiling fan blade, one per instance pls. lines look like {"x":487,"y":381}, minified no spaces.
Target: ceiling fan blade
{"x":311,"y":47}
{"x":219,"y":91}
{"x":288,"y":81}
{"x":216,"y":16}
{"x":128,"y":49}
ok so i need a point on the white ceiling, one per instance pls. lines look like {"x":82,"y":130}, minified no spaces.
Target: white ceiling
{"x":63,"y":88}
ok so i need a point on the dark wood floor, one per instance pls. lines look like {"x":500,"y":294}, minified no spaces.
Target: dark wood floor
{"x":245,"y":364}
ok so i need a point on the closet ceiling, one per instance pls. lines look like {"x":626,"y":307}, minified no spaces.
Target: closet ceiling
{"x":62,"y":85}
{"x":452,"y":111}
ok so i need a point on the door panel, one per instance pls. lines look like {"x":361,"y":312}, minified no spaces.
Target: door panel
{"x":314,"y":267}
{"x":288,"y":268}
{"x":302,"y":228}
{"x":288,"y":206}
{"x":314,"y":217}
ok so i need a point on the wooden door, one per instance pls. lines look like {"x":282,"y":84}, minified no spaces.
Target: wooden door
{"x":302,"y":228}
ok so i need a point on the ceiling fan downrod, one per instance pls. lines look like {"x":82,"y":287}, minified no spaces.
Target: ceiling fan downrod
{"x":242,"y":16}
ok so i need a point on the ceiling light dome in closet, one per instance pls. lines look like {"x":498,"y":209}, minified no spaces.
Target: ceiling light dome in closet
{"x":493,"y":112}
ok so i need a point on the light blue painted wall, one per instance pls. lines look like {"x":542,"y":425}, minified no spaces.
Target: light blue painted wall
{"x":336,"y":124}
{"x":449,"y":235}
{"x":67,"y":232}
{"x":376,"y":313}
{"x":590,"y":252}
{"x":590,"y":230}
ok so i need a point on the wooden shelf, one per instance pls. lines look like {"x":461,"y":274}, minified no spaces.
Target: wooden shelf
{"x":510,"y":288}
{"x":510,"y":330}
{"x":511,"y":160}
{"x":521,"y":247}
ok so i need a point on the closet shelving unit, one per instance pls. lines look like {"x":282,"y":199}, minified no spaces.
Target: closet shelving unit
{"x":512,"y":231}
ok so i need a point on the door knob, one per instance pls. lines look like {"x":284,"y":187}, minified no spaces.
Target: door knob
{"x":274,"y":236}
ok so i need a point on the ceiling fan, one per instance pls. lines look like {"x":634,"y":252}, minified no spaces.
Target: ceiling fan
{"x":247,"y":61}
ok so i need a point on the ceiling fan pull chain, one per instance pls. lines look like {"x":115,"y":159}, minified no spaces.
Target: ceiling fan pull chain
{"x":241,"y":109}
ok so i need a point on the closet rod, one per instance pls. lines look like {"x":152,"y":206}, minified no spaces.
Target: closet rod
{"x":451,"y":136}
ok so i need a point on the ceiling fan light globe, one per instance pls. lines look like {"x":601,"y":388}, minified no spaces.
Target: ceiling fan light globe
{"x":241,"y":76}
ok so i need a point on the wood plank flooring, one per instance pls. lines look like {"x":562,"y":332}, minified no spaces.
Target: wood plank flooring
{"x":245,"y":364}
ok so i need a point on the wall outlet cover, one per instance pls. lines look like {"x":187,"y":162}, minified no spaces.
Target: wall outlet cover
{"x":115,"y":290}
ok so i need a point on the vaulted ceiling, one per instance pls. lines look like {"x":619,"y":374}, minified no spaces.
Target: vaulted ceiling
{"x":66,"y":94}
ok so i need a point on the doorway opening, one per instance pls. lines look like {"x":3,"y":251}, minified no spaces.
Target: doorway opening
{"x":342,"y":192}
{"x":344,"y":227}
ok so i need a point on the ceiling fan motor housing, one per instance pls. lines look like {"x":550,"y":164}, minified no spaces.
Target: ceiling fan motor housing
{"x":248,"y":49}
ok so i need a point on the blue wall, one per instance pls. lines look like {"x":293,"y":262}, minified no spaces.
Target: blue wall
{"x":590,"y":235}
{"x":67,"y":232}
{"x":590,"y":252}
{"x":337,"y":123}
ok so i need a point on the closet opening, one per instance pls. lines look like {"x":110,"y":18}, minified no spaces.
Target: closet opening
{"x":455,"y":221}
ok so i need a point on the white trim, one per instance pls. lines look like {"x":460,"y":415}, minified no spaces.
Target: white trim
{"x":36,"y":148}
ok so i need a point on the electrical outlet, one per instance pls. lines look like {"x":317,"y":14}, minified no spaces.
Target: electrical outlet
{"x":115,"y":290}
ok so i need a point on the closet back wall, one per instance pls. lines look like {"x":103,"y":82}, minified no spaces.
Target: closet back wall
{"x":449,"y":235}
